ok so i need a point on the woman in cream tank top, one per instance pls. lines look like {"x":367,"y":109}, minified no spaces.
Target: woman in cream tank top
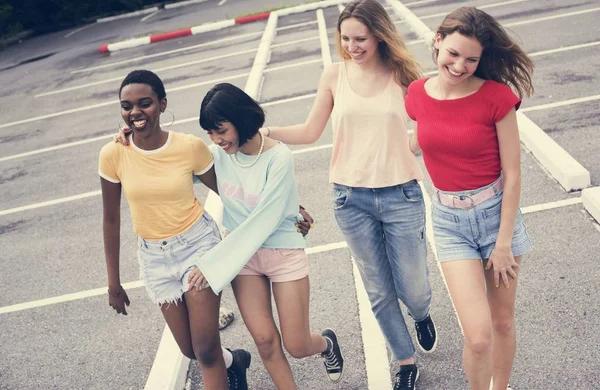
{"x":377,"y":201}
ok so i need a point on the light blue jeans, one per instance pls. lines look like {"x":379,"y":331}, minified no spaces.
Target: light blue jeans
{"x":385,"y":231}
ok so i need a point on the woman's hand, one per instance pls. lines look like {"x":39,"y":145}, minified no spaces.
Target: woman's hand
{"x":504,"y":265}
{"x":307,"y":224}
{"x":196,"y":279}
{"x":117,"y":299}
{"x":121,"y":136}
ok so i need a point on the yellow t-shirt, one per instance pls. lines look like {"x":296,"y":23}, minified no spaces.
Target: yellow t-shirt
{"x":158,"y":184}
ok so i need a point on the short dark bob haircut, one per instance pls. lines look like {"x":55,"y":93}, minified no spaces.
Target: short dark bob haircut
{"x":145,"y":77}
{"x":227,"y":103}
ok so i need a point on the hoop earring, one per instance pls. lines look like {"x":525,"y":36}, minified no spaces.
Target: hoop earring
{"x":172,"y":121}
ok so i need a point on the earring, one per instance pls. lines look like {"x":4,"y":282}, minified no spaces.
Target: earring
{"x":172,"y":121}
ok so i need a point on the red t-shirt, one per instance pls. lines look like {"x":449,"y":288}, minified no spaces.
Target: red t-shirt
{"x":458,"y":137}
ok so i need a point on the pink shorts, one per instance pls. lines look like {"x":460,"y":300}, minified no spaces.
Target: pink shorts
{"x":279,"y":265}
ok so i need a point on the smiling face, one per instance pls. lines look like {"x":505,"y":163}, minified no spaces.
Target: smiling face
{"x":356,"y":39}
{"x":226,"y":136}
{"x":141,"y":109}
{"x":458,"y":57}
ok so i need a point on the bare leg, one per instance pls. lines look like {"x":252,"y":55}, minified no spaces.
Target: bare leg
{"x":292,"y":300}
{"x":466,"y":284}
{"x":504,"y":340}
{"x":203,"y":311}
{"x":253,"y":296}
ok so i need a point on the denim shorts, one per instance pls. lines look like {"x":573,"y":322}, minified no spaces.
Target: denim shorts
{"x":462,"y":234}
{"x":165,"y":264}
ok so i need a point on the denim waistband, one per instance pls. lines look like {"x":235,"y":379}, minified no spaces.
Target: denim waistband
{"x":179,"y":238}
{"x":470,"y":192}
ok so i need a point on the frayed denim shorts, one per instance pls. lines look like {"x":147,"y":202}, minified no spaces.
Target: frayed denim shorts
{"x":462,"y":234}
{"x":166,"y":264}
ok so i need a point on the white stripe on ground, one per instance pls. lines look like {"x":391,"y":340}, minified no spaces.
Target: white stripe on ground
{"x":111,"y":80}
{"x":49,"y":203}
{"x":130,"y":285}
{"x":220,"y":3}
{"x":294,"y":65}
{"x":310,"y":251}
{"x":565,"y":15}
{"x":292,"y":26}
{"x":164,"y":53}
{"x":484,"y":6}
{"x":563,"y":103}
{"x":566,"y":48}
{"x":65,"y":298}
{"x":293,"y":42}
{"x":420,"y":2}
{"x":341,"y":7}
{"x":149,"y":16}
{"x":551,"y":205}
{"x":79,"y":29}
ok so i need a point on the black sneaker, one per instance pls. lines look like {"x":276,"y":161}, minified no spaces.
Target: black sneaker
{"x":426,"y":335}
{"x":334,"y":361}
{"x":236,"y":374}
{"x":407,"y":377}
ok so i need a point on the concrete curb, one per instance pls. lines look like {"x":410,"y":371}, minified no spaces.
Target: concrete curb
{"x":141,"y":41}
{"x":571,"y":175}
{"x":591,"y":202}
{"x":561,"y":166}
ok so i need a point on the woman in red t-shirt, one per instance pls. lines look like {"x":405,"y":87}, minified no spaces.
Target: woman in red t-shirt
{"x":466,"y":126}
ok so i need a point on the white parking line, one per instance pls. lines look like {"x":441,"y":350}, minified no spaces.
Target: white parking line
{"x":483,"y":6}
{"x":565,"y":15}
{"x":276,"y":102}
{"x":164,"y":53}
{"x":550,"y":205}
{"x":170,"y":67}
{"x":294,"y":65}
{"x":149,"y":16}
{"x":50,"y":203}
{"x":79,"y":29}
{"x":294,"y":42}
{"x":563,"y":103}
{"x":129,"y":285}
{"x":220,"y":3}
{"x":309,"y":251}
{"x":566,"y":48}
{"x":65,"y":298}
{"x":291,"y":26}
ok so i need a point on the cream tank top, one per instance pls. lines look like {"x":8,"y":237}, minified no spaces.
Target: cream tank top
{"x":370,"y":139}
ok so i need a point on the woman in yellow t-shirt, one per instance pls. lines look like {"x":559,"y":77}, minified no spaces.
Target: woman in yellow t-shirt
{"x":156,"y":176}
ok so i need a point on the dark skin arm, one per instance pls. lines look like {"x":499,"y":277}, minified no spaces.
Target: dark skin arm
{"x":111,"y":201}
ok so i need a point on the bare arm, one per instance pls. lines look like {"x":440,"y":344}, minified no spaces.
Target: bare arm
{"x":502,"y":259}
{"x":209,"y":179}
{"x":510,"y":155}
{"x":414,"y":141}
{"x":310,"y":131}
{"x":111,"y":200}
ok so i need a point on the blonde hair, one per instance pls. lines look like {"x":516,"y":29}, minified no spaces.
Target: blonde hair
{"x":392,"y":48}
{"x":502,"y":59}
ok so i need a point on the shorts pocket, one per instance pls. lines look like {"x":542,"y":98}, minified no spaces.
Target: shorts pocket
{"x":412,"y":191}
{"x":286,"y":253}
{"x":340,"y":196}
{"x":201,"y":234}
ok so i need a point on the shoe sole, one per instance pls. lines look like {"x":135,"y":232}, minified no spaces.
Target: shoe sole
{"x":341,"y":354}
{"x":434,"y":344}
